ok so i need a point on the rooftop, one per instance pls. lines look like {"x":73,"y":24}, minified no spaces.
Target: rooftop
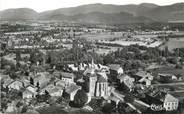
{"x":72,"y":88}
{"x":67,"y":75}
{"x":143,"y":74}
{"x":170,"y":98}
{"x":101,"y":79}
{"x":114,"y":66}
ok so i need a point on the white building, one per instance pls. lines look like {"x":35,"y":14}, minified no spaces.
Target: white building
{"x":170,"y":103}
{"x":68,"y":78}
{"x":16,"y":85}
{"x":53,"y":90}
{"x":28,"y":94}
{"x":129,"y":82}
{"x":144,"y":77}
{"x":116,"y":68}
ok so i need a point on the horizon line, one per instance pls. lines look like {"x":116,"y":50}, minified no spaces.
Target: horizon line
{"x":90,"y":4}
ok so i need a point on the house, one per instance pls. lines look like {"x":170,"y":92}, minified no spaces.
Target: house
{"x":27,"y":94}
{"x":68,"y":78}
{"x":144,"y":74}
{"x":52,"y":90}
{"x":145,"y":81}
{"x":56,"y":73}
{"x":31,"y":88}
{"x":6,"y":81}
{"x":23,"y":55}
{"x":71,"y":91}
{"x":167,"y":77}
{"x":82,"y":66}
{"x":11,"y":107}
{"x":170,"y":103}
{"x":41,"y":80}
{"x":128,"y":81}
{"x":60,"y":83}
{"x":25,"y":81}
{"x":144,"y":77}
{"x":72,"y":67}
{"x":165,"y":101}
{"x":3,"y":76}
{"x":116,"y":68}
{"x":11,"y":58}
{"x":16,"y":84}
{"x":178,"y":94}
{"x":115,"y":71}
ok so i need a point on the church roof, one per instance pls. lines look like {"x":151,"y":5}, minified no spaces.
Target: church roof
{"x":101,"y":79}
{"x":89,"y":71}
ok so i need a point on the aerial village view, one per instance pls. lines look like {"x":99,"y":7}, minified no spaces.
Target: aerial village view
{"x":92,"y":63}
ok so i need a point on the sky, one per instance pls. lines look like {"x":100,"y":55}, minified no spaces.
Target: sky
{"x":43,"y":5}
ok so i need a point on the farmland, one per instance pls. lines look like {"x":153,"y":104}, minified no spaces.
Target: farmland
{"x":174,"y":43}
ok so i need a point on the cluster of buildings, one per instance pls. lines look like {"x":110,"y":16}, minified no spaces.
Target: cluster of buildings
{"x":97,"y":79}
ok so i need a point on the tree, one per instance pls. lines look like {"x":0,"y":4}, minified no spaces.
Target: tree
{"x":12,"y":75}
{"x":172,"y":60}
{"x":128,"y":98}
{"x":166,"y":51}
{"x":108,"y":59}
{"x":24,"y":109}
{"x":37,"y":84}
{"x":121,"y":107}
{"x":178,"y":66}
{"x":31,"y":81}
{"x":18,"y":57}
{"x":108,"y":108}
{"x":80,"y":98}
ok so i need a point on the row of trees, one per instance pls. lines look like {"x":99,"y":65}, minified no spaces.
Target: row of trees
{"x":134,"y":56}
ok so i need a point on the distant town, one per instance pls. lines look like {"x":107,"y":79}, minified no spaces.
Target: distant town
{"x":55,"y":67}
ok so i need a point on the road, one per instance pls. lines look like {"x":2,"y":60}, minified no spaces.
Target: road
{"x":170,"y":84}
{"x":121,"y":97}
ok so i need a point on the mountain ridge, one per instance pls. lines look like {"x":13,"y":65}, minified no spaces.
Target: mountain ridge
{"x":144,"y":12}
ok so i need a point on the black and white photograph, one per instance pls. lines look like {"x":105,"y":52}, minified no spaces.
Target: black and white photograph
{"x":92,"y":56}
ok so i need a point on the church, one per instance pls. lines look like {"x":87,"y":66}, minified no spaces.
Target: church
{"x":96,"y":81}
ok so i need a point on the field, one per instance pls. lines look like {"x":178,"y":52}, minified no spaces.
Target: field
{"x":169,"y":70}
{"x":108,"y":36}
{"x":118,"y":38}
{"x":128,"y":43}
{"x":62,"y":110}
{"x":174,"y":43}
{"x":100,"y":36}
{"x":171,"y":86}
{"x":105,"y":50}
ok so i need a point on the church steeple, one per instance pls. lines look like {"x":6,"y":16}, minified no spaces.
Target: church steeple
{"x":92,"y":63}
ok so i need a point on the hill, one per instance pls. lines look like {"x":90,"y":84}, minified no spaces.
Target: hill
{"x":18,"y":14}
{"x":173,"y":12}
{"x":103,"y":13}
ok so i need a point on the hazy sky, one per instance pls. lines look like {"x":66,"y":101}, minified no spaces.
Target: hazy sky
{"x":42,"y":5}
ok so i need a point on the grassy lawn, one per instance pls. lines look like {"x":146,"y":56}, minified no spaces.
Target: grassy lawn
{"x":169,"y":70}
